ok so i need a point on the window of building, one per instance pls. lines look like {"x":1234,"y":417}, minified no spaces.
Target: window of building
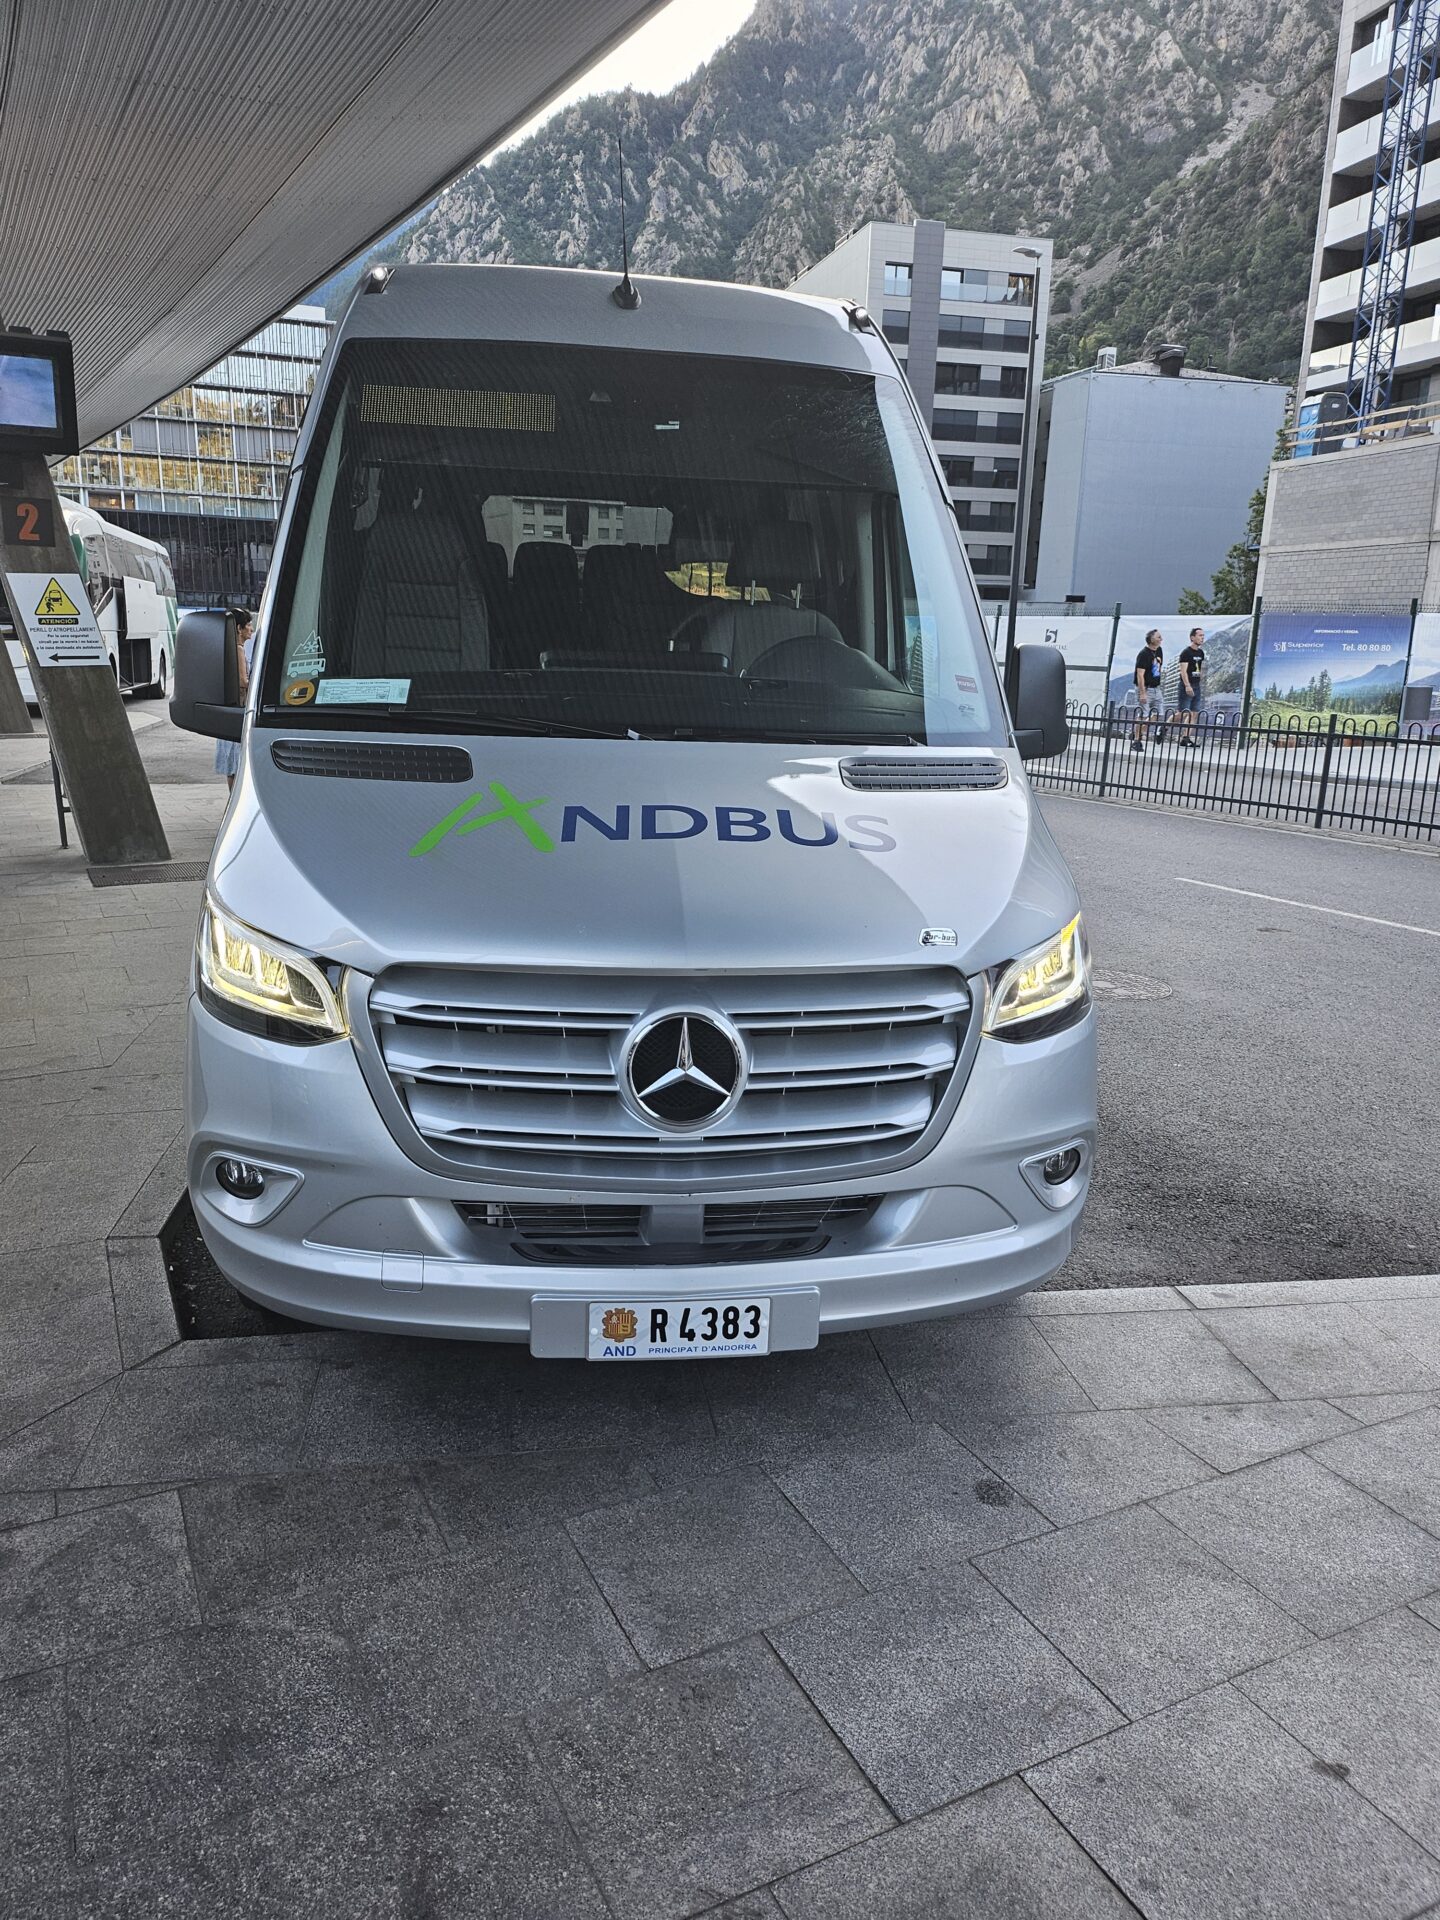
{"x":1012,"y":382}
{"x":897,"y":277}
{"x":957,"y":376}
{"x":895,"y":323}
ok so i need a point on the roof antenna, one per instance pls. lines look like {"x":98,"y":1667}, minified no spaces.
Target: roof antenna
{"x":625,"y":295}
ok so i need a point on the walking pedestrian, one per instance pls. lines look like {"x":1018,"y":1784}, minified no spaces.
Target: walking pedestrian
{"x":1192,"y":675}
{"x":1149,"y":696}
{"x":227,"y":752}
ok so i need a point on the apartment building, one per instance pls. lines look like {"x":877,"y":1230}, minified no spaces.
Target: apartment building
{"x":958,"y":308}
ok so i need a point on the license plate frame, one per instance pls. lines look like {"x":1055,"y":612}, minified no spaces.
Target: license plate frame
{"x":684,"y":1334}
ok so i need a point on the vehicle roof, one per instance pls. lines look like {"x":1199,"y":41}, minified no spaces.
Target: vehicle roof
{"x":77,"y":518}
{"x":571,"y":306}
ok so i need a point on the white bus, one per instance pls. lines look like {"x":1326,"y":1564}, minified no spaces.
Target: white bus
{"x":132,"y":590}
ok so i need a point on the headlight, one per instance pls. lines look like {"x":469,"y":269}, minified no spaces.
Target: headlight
{"x":1043,"y":989}
{"x":258,"y":984}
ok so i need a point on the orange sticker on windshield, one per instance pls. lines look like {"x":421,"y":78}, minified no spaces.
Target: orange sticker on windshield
{"x":299,"y":693}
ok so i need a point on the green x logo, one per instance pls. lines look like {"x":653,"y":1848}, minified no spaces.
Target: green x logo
{"x":509,"y":809}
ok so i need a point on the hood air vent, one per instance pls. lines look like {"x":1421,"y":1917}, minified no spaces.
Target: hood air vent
{"x":363,"y":760}
{"x":924,"y":776}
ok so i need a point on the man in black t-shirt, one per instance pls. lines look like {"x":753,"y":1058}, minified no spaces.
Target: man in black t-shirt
{"x":1192,"y":675}
{"x":1149,"y":700}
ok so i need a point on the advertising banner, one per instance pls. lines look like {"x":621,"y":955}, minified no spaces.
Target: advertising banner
{"x":1083,"y":639}
{"x":1227,"y":651}
{"x":1424,"y":669}
{"x":1310,"y":665}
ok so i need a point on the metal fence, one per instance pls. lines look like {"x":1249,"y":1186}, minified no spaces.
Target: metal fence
{"x":1328,"y":772}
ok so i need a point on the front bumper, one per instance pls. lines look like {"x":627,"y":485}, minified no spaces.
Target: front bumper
{"x":353,"y":1233}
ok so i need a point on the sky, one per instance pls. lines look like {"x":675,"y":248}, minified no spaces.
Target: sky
{"x":658,"y":55}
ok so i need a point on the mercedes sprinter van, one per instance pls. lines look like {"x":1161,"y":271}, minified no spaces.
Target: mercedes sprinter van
{"x":632,"y":931}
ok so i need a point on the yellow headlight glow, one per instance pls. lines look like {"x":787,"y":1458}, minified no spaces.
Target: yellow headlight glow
{"x":1042,"y":982}
{"x":244,"y":968}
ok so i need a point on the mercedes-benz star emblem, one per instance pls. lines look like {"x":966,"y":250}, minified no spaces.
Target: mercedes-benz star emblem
{"x":684,"y":1070}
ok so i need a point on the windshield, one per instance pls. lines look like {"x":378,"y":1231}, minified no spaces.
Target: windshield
{"x":494,"y":538}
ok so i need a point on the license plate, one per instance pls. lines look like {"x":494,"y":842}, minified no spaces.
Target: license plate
{"x":678,"y":1329}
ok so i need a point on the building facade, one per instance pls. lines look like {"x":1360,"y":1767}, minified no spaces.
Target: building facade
{"x":1143,"y":479}
{"x":1362,"y":67}
{"x":958,"y":308}
{"x":204,"y":470}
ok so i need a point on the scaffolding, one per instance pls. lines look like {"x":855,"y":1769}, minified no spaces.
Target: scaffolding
{"x":1405,"y":115}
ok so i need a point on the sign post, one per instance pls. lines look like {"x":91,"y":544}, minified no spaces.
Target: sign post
{"x":90,"y":738}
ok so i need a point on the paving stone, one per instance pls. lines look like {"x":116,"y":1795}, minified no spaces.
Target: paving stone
{"x":172,"y":1736}
{"x":59,"y":1326}
{"x":1140,"y":1609}
{"x":24,"y":1509}
{"x":928,"y":1503}
{"x":1045,"y":1301}
{"x":88,"y":1499}
{"x":253,"y":1541}
{"x":47,"y":1452}
{"x":190,"y":1425}
{"x":1329,"y":1554}
{"x":474,"y":1635}
{"x":1231,"y":1437}
{"x":1368,"y":1704}
{"x":1210,"y":1808}
{"x":475,"y":1499}
{"x":1397,"y":1461}
{"x":93,"y":1582}
{"x":792,"y":1404}
{"x":1310,"y":1293}
{"x":34,"y":1792}
{"x":144,"y":1312}
{"x":760,"y":1905}
{"x":74,"y":1187}
{"x":689,"y":1570}
{"x":1371,"y":1408}
{"x":1150,"y":1360}
{"x":705,"y":1779}
{"x":467,"y":1832}
{"x":980,"y":1362}
{"x":1075,"y":1465}
{"x":1000,"y":1855}
{"x":157,"y":1197}
{"x":939,"y":1686}
{"x":1302,"y":1352}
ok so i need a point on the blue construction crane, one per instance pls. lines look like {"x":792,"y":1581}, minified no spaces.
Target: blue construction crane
{"x":1379,"y":310}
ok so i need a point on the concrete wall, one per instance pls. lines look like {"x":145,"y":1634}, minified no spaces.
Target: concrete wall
{"x":1149,"y":482}
{"x":1359,"y":528}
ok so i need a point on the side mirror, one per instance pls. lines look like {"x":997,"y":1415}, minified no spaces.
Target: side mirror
{"x":1041,"y":727}
{"x":207,"y":676}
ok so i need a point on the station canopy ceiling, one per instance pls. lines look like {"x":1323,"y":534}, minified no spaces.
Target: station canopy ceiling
{"x":174,"y":173}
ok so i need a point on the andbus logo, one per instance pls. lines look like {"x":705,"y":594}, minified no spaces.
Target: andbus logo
{"x":656,"y":820}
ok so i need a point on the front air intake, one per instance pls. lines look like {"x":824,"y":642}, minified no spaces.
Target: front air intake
{"x":973,"y":773}
{"x":372,"y":760}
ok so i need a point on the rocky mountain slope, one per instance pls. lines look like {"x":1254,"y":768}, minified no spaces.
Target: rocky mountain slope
{"x":1172,"y":151}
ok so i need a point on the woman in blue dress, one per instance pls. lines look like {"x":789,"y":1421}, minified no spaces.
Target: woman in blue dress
{"x":227,"y":752}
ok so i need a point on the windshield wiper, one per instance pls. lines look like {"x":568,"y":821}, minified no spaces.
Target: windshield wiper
{"x":792,"y":736}
{"x":491,"y":723}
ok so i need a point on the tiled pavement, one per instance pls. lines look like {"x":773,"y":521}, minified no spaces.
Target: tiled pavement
{"x":1096,"y":1605}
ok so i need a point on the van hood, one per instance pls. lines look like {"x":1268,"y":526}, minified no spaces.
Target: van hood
{"x":620,"y":854}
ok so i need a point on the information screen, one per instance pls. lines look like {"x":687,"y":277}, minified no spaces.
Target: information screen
{"x":37,"y":394}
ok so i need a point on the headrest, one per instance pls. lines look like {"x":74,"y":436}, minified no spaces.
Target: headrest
{"x":545,"y":560}
{"x":776,"y":552}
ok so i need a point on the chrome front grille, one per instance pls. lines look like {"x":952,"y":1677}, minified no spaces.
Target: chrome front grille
{"x":520,"y":1073}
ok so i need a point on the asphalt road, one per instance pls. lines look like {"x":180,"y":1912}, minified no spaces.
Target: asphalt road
{"x":1269,"y":1075}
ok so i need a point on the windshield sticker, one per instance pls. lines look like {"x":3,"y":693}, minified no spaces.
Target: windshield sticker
{"x":297,"y":693}
{"x":656,"y":820}
{"x":363,"y":693}
{"x":308,"y":657}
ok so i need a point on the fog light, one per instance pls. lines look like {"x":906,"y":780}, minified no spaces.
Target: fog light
{"x":1060,"y":1167}
{"x":242,"y":1181}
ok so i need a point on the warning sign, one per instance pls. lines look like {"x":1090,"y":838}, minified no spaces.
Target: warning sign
{"x":56,"y":616}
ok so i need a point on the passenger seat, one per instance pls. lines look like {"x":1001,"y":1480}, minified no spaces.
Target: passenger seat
{"x":779,"y":555}
{"x":421,"y":606}
{"x":544,"y":601}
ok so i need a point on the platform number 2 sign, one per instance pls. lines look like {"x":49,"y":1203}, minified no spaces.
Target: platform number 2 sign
{"x":27,"y":523}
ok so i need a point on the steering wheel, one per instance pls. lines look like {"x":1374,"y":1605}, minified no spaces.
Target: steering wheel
{"x":815,"y":656}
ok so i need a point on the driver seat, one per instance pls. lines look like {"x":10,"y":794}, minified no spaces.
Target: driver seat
{"x":421,"y":605}
{"x":780,"y":555}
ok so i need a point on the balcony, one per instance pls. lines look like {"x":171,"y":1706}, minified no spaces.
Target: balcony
{"x":1346,"y":223}
{"x":1336,"y":296}
{"x":1418,"y":348}
{"x":1369,"y":67}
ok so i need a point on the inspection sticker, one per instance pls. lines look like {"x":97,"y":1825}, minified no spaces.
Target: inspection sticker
{"x":363,"y":693}
{"x":57,"y":618}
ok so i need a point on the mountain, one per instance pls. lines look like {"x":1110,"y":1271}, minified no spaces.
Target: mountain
{"x":1389,"y":673}
{"x":1173,"y":154}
